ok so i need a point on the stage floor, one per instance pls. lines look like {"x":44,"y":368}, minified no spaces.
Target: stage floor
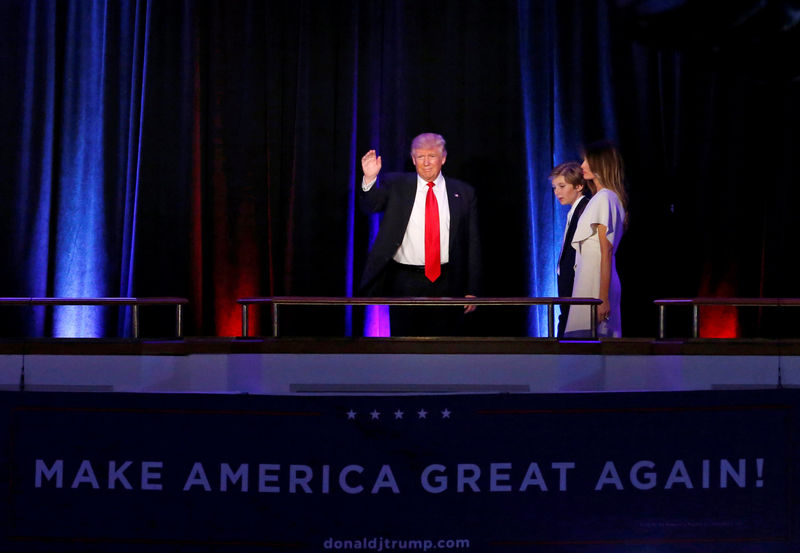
{"x":395,"y":365}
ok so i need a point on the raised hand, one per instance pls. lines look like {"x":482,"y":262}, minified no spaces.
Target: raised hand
{"x":371,"y":165}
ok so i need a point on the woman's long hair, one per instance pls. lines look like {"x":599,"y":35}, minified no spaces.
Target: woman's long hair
{"x":606,"y":164}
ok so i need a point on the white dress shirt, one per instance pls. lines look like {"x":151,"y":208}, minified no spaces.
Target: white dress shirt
{"x":412,"y":249}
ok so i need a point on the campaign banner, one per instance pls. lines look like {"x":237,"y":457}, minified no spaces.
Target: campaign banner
{"x":645,"y":472}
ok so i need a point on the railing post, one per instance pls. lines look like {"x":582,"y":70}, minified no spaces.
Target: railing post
{"x":695,"y":320}
{"x":593,"y":323}
{"x":661,"y":316}
{"x":244,"y":320}
{"x":135,"y":319}
{"x":179,"y":320}
{"x":550,"y":318}
{"x":274,"y":313}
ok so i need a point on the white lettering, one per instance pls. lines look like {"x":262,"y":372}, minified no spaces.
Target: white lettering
{"x":343,"y":479}
{"x":299,"y":475}
{"x":440,"y":480}
{"x":197,"y":477}
{"x":118,"y":474}
{"x":678,"y":475}
{"x":562,"y":474}
{"x":56,"y":470}
{"x":150,"y":477}
{"x":609,"y":476}
{"x":385,"y":479}
{"x":85,"y":476}
{"x":533,"y":478}
{"x":326,"y":479}
{"x":226,"y":474}
{"x":468,"y":474}
{"x":264,"y":478}
{"x":495,"y":477}
{"x":649,"y":477}
{"x":726,"y":469}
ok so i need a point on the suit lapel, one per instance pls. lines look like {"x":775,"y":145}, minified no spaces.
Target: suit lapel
{"x":573,"y":224}
{"x":408,"y":193}
{"x":456,"y":205}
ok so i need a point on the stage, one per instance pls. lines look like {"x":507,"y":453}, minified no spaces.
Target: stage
{"x":281,"y":366}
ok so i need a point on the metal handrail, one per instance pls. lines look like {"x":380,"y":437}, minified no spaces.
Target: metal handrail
{"x":134,"y":302}
{"x":275,"y":301}
{"x":730,"y":302}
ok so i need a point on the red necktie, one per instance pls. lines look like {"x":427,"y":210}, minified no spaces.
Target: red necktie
{"x":433,"y":259}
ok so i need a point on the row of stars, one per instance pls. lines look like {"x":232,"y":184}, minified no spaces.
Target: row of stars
{"x":398,"y":415}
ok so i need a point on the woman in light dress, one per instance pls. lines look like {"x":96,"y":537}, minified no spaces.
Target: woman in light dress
{"x":596,"y":238}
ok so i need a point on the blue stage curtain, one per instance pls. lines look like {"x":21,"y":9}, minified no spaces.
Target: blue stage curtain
{"x":75,"y":71}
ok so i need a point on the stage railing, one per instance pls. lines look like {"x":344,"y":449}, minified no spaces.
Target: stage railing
{"x":276,"y":301}
{"x":133,"y":302}
{"x":696,"y":303}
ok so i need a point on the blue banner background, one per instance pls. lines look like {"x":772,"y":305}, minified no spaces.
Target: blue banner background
{"x":385,"y":444}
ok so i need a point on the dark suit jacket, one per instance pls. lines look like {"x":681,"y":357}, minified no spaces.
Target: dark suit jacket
{"x":393,"y":195}
{"x":566,"y":264}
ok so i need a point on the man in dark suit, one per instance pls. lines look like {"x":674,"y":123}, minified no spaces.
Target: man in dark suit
{"x":427,"y":244}
{"x":570,"y":189}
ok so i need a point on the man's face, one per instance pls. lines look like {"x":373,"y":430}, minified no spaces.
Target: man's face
{"x":566,"y":192}
{"x":428,"y":162}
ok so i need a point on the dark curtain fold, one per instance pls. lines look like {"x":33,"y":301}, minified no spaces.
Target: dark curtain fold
{"x":210,"y":149}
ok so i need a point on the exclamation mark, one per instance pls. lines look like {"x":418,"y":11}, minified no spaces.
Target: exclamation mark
{"x":759,"y":473}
